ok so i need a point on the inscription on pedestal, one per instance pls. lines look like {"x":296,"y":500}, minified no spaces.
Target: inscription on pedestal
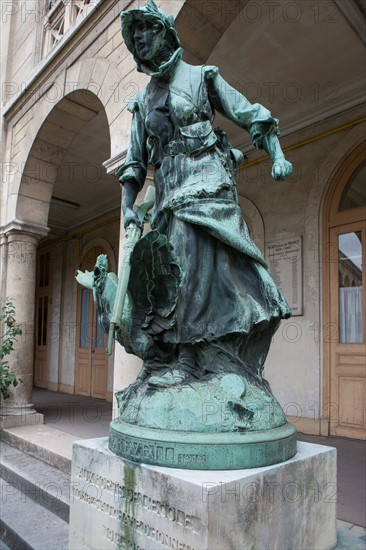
{"x":134,"y":516}
{"x":152,"y":534}
{"x":134,"y":450}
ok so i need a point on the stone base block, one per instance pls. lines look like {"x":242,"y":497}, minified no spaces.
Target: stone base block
{"x":119,"y":504}
{"x":18,"y":420}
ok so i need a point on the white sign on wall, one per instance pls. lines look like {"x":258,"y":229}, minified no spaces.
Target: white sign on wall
{"x":284,"y":259}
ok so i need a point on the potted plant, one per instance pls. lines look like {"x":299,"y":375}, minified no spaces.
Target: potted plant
{"x":9,"y":333}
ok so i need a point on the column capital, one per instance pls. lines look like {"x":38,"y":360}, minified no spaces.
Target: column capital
{"x":19,"y":227}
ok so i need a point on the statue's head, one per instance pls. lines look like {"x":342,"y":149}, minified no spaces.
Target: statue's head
{"x":100,"y":272}
{"x":147,"y":31}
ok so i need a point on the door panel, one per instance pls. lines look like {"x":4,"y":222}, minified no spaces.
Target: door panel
{"x":91,"y":358}
{"x":347,"y":348}
{"x":100,"y":365}
{"x":83,"y":354}
{"x":351,"y":391}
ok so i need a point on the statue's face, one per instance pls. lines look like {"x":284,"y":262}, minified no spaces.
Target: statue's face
{"x":147,"y":39}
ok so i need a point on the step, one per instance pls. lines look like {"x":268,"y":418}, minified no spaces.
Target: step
{"x":27,"y":525}
{"x":37,"y":480}
{"x":48,"y":444}
{"x":350,"y":536}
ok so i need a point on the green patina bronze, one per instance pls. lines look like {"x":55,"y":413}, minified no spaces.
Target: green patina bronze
{"x":200,"y":307}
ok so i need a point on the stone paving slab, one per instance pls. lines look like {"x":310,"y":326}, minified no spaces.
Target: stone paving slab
{"x":350,"y":536}
{"x":351,"y":476}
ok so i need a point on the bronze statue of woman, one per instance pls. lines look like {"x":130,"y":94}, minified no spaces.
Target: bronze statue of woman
{"x":201,"y":305}
{"x":227,"y":302}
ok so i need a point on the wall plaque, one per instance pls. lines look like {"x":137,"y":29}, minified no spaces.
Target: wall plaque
{"x":285,"y":263}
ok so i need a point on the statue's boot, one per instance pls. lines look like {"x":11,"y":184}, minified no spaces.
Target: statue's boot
{"x":170,"y":378}
{"x":186,"y":368}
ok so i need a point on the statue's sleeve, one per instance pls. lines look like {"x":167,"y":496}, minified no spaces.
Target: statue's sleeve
{"x":135,"y":166}
{"x":253,"y":117}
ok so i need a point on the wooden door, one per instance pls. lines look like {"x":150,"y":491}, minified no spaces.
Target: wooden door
{"x":345,"y":299}
{"x":91,"y":359}
{"x":348,"y":350}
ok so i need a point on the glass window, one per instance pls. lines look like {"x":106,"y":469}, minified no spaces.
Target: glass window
{"x":100,"y":336}
{"x":45,"y":320}
{"x":61,"y":14}
{"x":79,"y":6}
{"x":354,"y":194}
{"x":39,"y":324}
{"x":42,"y":321}
{"x":84,"y":318}
{"x":41,"y":271}
{"x":47,"y":269}
{"x":44,"y":270}
{"x":350,"y":288}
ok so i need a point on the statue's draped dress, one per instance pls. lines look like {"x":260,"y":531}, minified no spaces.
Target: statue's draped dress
{"x":226,"y":299}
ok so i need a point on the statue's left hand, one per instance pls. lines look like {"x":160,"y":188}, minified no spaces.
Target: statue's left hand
{"x":281,"y":169}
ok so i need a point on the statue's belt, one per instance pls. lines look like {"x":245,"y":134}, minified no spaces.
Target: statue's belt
{"x":194,"y":140}
{"x":174,"y":148}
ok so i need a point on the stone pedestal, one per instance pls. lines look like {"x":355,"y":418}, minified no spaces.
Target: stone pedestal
{"x":119,"y":504}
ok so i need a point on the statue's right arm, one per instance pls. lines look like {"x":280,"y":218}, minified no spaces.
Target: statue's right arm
{"x":129,"y":194}
{"x":132,"y":173}
{"x":256,"y":119}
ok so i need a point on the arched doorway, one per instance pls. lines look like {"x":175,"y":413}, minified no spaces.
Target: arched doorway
{"x":345,"y":298}
{"x":80,"y":204}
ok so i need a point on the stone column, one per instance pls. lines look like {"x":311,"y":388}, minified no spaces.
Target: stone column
{"x":19,"y":267}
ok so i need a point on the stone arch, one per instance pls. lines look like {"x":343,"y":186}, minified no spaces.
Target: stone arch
{"x":318,"y":195}
{"x":48,"y":150}
{"x":91,"y":85}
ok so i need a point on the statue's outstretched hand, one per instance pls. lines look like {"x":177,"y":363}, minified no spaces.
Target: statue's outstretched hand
{"x":130,"y":216}
{"x":281,"y":169}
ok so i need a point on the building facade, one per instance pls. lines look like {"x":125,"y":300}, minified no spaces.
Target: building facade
{"x":67,"y":77}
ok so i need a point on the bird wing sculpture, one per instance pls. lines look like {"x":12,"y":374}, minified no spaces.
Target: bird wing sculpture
{"x":84,"y":278}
